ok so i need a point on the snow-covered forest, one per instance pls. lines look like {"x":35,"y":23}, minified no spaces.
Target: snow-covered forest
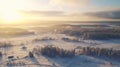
{"x":60,"y":45}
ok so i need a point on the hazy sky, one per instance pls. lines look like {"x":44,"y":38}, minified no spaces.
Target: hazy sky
{"x":65,"y":5}
{"x":65,"y":9}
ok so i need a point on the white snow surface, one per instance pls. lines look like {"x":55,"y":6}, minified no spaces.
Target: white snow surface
{"x":42,"y":61}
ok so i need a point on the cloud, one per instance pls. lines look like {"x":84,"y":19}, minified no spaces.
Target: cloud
{"x":44,"y":13}
{"x":52,"y":13}
{"x":76,"y":16}
{"x":70,"y":2}
{"x":115,"y":14}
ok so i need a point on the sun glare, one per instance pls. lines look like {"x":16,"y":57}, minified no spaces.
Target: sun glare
{"x":9,"y":12}
{"x":10,"y":17}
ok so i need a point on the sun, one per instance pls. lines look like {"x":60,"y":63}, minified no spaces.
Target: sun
{"x":9,"y":11}
{"x":11,"y":17}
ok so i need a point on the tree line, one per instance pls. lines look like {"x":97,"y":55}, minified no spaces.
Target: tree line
{"x":52,"y":51}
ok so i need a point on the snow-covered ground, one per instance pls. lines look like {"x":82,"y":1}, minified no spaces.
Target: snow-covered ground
{"x":36,"y":40}
{"x":83,"y":61}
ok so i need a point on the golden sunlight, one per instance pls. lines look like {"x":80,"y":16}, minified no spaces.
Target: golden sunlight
{"x":11,"y":17}
{"x":9,"y":13}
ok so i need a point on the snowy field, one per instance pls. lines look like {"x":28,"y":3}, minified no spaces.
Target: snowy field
{"x":28,"y":38}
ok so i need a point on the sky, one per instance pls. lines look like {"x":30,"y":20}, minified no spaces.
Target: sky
{"x":74,"y":10}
